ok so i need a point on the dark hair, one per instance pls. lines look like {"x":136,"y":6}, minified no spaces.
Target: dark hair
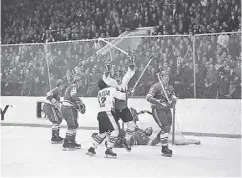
{"x":102,"y":84}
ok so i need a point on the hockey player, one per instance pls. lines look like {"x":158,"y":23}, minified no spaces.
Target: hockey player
{"x":161,"y":109}
{"x":51,"y":108}
{"x":121,"y":106}
{"x":141,"y":137}
{"x":70,"y":107}
{"x":108,"y":126}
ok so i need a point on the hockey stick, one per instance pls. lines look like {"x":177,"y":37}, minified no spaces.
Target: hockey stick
{"x":173,"y":117}
{"x":162,"y":86}
{"x":101,"y":39}
{"x":135,"y":85}
{"x":151,"y":58}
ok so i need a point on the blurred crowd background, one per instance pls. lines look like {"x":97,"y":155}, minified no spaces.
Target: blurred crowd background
{"x":210,"y":47}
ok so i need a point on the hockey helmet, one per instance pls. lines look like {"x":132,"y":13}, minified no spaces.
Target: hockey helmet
{"x":148,"y":131}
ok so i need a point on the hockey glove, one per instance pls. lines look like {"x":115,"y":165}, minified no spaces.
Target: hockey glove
{"x":81,"y":107}
{"x":108,"y":66}
{"x":173,"y":102}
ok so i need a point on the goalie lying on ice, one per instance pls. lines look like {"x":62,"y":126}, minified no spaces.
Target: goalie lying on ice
{"x":140,"y":137}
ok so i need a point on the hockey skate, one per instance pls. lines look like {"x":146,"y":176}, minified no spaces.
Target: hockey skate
{"x":91,"y":151}
{"x":110,"y":154}
{"x":77,"y":146}
{"x":68,"y":146}
{"x":56,"y":139}
{"x":166,"y":151}
{"x":126,"y":144}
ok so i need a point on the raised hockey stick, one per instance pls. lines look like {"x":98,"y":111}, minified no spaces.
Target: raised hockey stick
{"x":101,"y":39}
{"x":135,"y":85}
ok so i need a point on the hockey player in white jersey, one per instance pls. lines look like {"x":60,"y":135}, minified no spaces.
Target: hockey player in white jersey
{"x":108,"y":126}
{"x":121,"y":106}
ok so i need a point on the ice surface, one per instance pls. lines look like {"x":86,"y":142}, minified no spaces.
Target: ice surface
{"x":27,"y":151}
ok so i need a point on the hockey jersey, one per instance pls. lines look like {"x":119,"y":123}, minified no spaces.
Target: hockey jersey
{"x":123,"y":87}
{"x":106,"y":98}
{"x":157,"y":92}
{"x":53,"y":94}
{"x":70,"y":97}
{"x":140,"y":138}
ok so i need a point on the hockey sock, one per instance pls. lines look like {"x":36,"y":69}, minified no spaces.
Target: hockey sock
{"x":129,"y":134}
{"x":164,"y":138}
{"x":55,"y":130}
{"x":111,"y":141}
{"x":112,"y":138}
{"x":130,"y":129}
{"x":74,"y":134}
{"x":70,"y":135}
{"x":98,"y":139}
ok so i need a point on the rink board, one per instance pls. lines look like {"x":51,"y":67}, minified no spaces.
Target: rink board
{"x":197,"y":116}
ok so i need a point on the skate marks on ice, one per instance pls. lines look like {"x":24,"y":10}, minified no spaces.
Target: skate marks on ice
{"x":28,"y":152}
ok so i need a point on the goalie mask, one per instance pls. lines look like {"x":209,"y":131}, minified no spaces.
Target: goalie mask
{"x":148,"y":131}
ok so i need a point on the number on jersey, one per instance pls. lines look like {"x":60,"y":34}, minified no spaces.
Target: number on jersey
{"x":102,"y":101}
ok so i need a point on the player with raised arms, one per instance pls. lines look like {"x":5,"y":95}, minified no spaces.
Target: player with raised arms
{"x":51,"y":108}
{"x":161,"y":111}
{"x":121,"y":106}
{"x":70,"y":107}
{"x":108,"y":127}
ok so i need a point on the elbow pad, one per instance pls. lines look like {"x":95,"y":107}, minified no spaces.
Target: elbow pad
{"x":152,"y":100}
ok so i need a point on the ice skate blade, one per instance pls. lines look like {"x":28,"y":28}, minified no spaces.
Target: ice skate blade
{"x":167,"y":155}
{"x":126,"y":148}
{"x":90,"y":154}
{"x":110,"y":157}
{"x":55,"y":143}
{"x":68,"y":149}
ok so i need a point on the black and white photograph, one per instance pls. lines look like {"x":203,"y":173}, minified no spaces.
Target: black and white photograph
{"x":120,"y":88}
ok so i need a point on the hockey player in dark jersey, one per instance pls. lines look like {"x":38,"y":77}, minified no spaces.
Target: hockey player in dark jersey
{"x":51,"y":108}
{"x":161,"y":109}
{"x":70,"y":107}
{"x":121,"y":107}
{"x":141,"y":137}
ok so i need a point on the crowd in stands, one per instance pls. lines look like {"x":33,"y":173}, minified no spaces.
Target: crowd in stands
{"x":25,"y":70}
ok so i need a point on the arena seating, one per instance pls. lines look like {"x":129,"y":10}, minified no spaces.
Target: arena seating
{"x":218,"y":57}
